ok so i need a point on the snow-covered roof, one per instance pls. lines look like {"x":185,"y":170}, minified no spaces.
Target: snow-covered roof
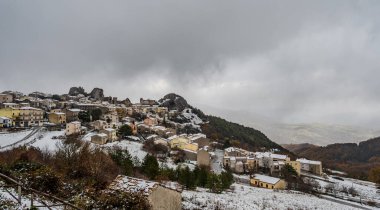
{"x":306,"y":161}
{"x":74,"y":110}
{"x":101,"y":135}
{"x":266,"y":179}
{"x":133,"y":185}
{"x":74,"y":122}
{"x":29,"y":108}
{"x":109,"y":129}
{"x":270,"y":155}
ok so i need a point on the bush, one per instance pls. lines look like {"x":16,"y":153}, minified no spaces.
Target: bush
{"x":121,"y":200}
{"x":124,"y":130}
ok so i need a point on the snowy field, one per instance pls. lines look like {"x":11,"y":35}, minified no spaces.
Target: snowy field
{"x":134,"y":148}
{"x":41,"y":139}
{"x":367,"y":190}
{"x":9,"y":138}
{"x":249,"y":198}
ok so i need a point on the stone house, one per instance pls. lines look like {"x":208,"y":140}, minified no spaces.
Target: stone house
{"x":6,"y":122}
{"x":72,"y":114}
{"x":203,"y":158}
{"x":164,"y":196}
{"x":100,"y":138}
{"x":111,"y":134}
{"x":57,"y":118}
{"x":269,"y":182}
{"x":73,"y":128}
{"x":6,"y":98}
{"x":311,"y":166}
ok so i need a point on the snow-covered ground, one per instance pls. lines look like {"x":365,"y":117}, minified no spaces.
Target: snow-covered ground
{"x":41,"y":139}
{"x":366,"y":190}
{"x":250,"y":198}
{"x":10,"y":138}
{"x":46,"y":142}
{"x":134,"y":148}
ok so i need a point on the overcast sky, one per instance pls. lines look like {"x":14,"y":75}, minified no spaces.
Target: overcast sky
{"x":287,"y":61}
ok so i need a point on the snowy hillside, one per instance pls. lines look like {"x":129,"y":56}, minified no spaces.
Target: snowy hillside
{"x":248,"y":198}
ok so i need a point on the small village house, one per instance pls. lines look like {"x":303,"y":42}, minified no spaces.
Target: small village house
{"x":10,"y":113}
{"x":6,"y":98}
{"x":165,"y":196}
{"x":111,"y":134}
{"x":72,"y":114}
{"x":150,"y":121}
{"x":6,"y":122}
{"x":57,"y":118}
{"x":311,"y":166}
{"x":100,"y":125}
{"x":73,"y":128}
{"x":100,"y":138}
{"x":203,"y":157}
{"x":268,"y":182}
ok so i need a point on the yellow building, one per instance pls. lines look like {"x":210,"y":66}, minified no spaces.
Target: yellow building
{"x":10,"y":113}
{"x":269,"y":182}
{"x":296,"y":165}
{"x":57,"y":118}
{"x":190,"y":146}
{"x":179,"y":142}
{"x":30,"y":116}
{"x":24,"y":117}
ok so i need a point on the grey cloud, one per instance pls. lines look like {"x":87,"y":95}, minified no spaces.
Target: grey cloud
{"x":286,"y":60}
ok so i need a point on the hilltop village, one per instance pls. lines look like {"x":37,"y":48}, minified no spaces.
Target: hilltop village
{"x":167,"y":133}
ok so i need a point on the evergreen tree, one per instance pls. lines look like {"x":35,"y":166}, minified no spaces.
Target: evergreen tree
{"x":288,"y":172}
{"x":226,"y":179}
{"x":214,"y":183}
{"x":124,"y":160}
{"x":84,"y":116}
{"x":124,"y":130}
{"x":202,"y":177}
{"x":96,"y":113}
{"x":150,"y":166}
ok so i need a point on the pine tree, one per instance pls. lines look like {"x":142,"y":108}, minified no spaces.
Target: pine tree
{"x":226,"y":179}
{"x":123,"y":159}
{"x":214,"y":183}
{"x":202,"y":177}
{"x":150,"y":166}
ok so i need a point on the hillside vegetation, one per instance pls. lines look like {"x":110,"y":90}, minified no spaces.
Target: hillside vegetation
{"x":355,"y":159}
{"x":222,"y":130}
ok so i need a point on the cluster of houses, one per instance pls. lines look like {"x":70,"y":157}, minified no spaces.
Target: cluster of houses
{"x":38,"y":109}
{"x":245,"y":162}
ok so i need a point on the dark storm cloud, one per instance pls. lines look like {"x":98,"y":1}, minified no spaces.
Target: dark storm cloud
{"x":294,"y":61}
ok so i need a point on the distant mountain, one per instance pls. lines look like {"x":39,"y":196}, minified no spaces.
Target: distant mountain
{"x":298,"y":148}
{"x":221,"y":130}
{"x":317,"y":134}
{"x":354,"y":159}
{"x":313,"y":133}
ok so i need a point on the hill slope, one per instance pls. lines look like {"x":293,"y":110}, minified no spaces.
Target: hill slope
{"x":355,"y":159}
{"x":222,"y":130}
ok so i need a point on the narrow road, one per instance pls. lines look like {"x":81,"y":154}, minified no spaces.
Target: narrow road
{"x":217,"y":161}
{"x":27,"y":137}
{"x":344,"y":202}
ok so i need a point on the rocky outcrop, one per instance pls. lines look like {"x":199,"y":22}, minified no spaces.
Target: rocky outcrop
{"x":74,"y":91}
{"x":97,"y":94}
{"x":174,"y":101}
